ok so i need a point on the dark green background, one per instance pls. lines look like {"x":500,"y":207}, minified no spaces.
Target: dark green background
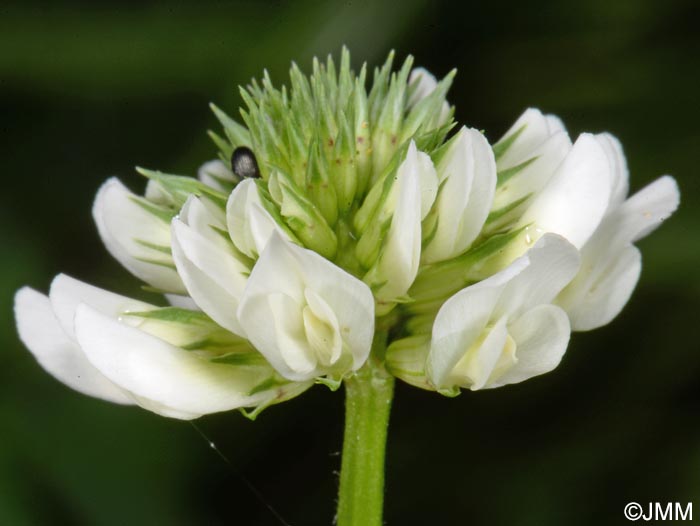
{"x":87,"y":92}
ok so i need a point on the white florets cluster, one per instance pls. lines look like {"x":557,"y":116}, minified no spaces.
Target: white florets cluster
{"x":349,"y":213}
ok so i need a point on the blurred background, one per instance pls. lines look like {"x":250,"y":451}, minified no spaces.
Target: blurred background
{"x":90,"y":91}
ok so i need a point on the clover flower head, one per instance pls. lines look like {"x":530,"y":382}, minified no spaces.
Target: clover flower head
{"x":336,"y":212}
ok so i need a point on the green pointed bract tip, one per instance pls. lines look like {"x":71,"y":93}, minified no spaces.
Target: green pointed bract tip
{"x":178,"y":188}
{"x":328,"y":138}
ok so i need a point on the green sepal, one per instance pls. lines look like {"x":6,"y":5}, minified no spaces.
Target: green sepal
{"x":241,"y":359}
{"x":164,"y":249}
{"x":163,"y":213}
{"x":450,"y":392}
{"x":419,"y":324}
{"x":175,"y":315}
{"x":387,"y":126}
{"x":167,"y":264}
{"x":437,"y":282}
{"x":429,"y":226}
{"x":504,"y":175}
{"x":180,"y":187}
{"x":240,"y":256}
{"x":156,"y":290}
{"x":342,"y":166}
{"x":237,"y":134}
{"x":422,"y":117}
{"x":253,"y":414}
{"x":369,"y":245}
{"x":433,"y":140}
{"x":224,"y":146}
{"x":303,"y":217}
{"x":269,"y":383}
{"x":375,"y":204}
{"x":332,"y":383}
{"x":406,"y":358}
{"x":501,"y":147}
{"x":195,"y":331}
{"x":497,"y":214}
{"x":380,"y":87}
{"x":362,"y":132}
{"x":318,"y":184}
{"x":391,"y":112}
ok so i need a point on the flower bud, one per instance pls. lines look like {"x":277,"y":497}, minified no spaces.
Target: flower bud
{"x":412,"y":192}
{"x":302,"y":217}
{"x":406,"y":358}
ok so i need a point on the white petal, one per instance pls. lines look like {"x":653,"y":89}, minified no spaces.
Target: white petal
{"x":616,"y":157}
{"x":322,"y":328}
{"x":287,"y":324}
{"x":274,"y":326}
{"x":212,"y":174}
{"x":249,"y":224}
{"x":536,"y":129}
{"x":598,"y":294}
{"x":427,"y":179}
{"x":175,"y":382}
{"x":554,"y":124}
{"x":644,"y":212}
{"x":60,"y":356}
{"x":122,"y":223}
{"x":547,"y":268}
{"x":481,"y":362}
{"x":156,"y":194}
{"x":285,"y":268}
{"x":205,"y":218}
{"x":349,"y":299}
{"x":610,"y":266}
{"x":576,"y":197}
{"x":468,"y":170}
{"x":398,"y":262}
{"x":182,"y":302}
{"x":541,"y":336}
{"x":531,"y":280}
{"x":425,"y":83}
{"x":214,"y":277}
{"x":533,"y":177}
{"x":459,"y":323}
{"x":67,"y":293}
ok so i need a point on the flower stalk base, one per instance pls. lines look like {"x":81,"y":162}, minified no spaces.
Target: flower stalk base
{"x":368,"y":396}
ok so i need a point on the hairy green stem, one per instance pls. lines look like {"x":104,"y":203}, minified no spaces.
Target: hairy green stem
{"x":368,"y":396}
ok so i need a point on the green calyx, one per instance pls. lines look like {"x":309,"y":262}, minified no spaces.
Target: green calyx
{"x":326,"y":140}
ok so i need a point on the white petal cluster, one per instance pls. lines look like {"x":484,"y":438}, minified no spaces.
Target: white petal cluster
{"x":308,"y":317}
{"x":105,"y":345}
{"x":483,"y":258}
{"x":504,"y":329}
{"x":515,"y":324}
{"x":136,"y":237}
{"x":467,"y":175}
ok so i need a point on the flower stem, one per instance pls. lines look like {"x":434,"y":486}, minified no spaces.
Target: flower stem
{"x":368,"y":396}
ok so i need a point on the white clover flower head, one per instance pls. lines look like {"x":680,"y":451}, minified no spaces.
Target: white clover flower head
{"x":336,"y":216}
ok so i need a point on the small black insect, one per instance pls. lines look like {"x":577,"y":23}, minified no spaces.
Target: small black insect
{"x":244,"y":164}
